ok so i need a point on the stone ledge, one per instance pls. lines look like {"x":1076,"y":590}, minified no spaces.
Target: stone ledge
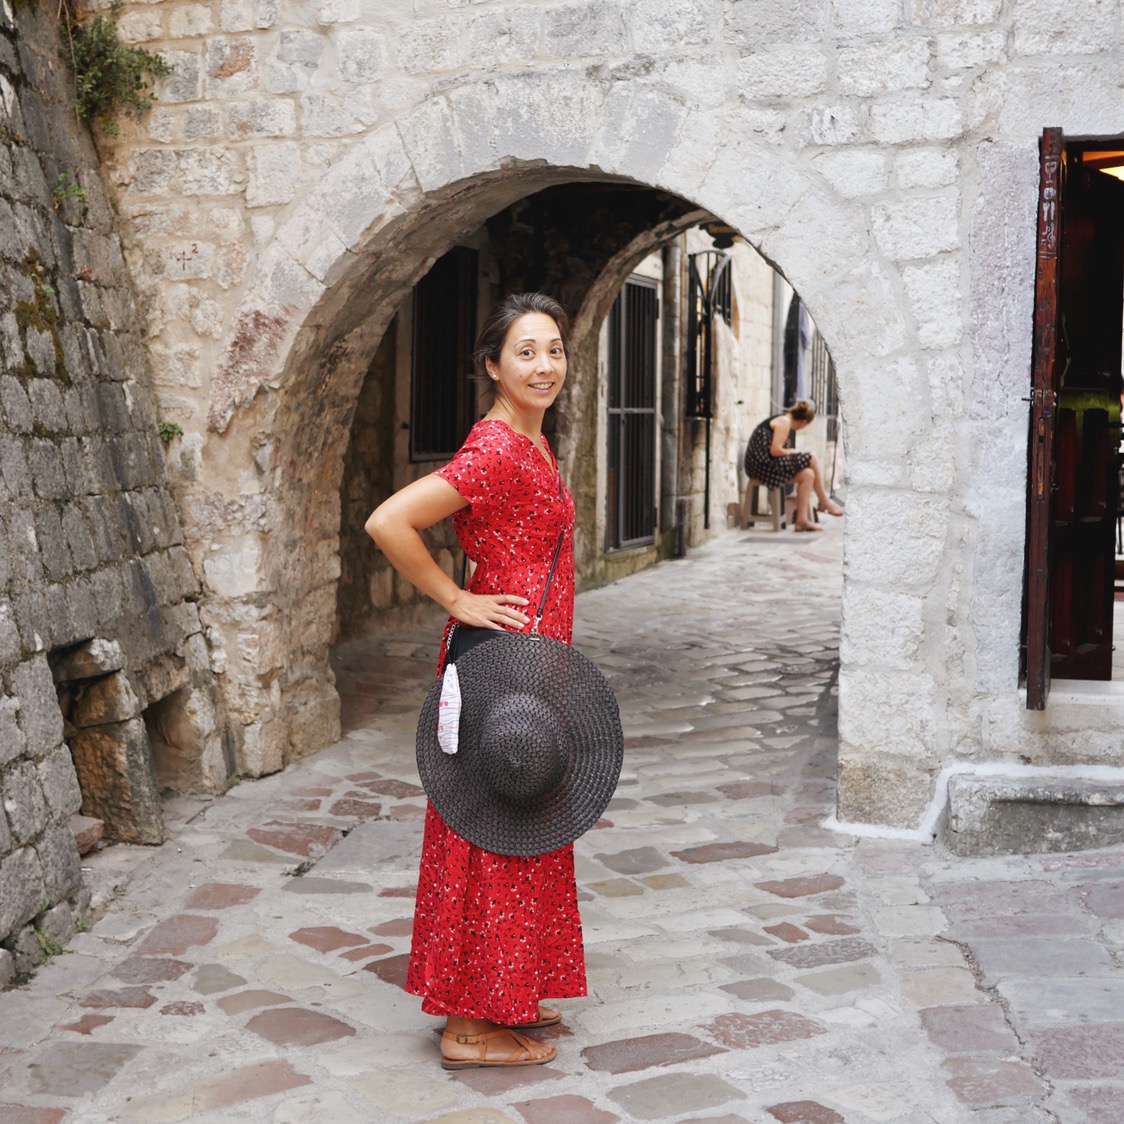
{"x":1024,"y":815}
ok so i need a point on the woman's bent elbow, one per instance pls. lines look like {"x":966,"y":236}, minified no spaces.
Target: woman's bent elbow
{"x":377,"y":523}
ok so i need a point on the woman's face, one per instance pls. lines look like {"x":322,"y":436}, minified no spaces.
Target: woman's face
{"x":532,"y":363}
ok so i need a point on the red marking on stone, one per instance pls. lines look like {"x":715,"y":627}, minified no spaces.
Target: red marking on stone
{"x":23,"y":1114}
{"x":326,"y":938}
{"x":298,"y":1026}
{"x":311,"y":840}
{"x":787,"y":932}
{"x":254,"y":346}
{"x":221,"y":895}
{"x":87,"y":1024}
{"x":179,"y":933}
{"x":356,"y":778}
{"x":307,"y":791}
{"x":802,"y":886}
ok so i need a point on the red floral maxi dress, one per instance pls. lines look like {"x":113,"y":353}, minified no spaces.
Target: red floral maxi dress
{"x":494,"y":934}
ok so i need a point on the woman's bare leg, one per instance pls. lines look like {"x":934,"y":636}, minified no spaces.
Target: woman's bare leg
{"x":823,"y":500}
{"x":805,"y":484}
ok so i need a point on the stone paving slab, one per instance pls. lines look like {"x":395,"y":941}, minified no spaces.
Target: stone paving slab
{"x":745,"y":964}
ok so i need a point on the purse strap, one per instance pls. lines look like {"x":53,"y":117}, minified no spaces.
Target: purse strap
{"x":549,"y":579}
{"x":546,"y":588}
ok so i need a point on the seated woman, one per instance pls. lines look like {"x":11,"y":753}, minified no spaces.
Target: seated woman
{"x":768,"y":460}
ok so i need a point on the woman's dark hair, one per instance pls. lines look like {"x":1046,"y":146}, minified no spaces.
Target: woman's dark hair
{"x":489,"y":343}
{"x":802,"y":410}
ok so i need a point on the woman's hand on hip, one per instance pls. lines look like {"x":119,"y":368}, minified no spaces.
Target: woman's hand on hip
{"x":486,"y":610}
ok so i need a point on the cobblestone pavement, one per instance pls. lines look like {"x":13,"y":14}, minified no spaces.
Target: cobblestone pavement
{"x":745,"y":964}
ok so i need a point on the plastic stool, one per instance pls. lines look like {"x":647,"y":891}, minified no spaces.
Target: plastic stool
{"x":751,"y":505}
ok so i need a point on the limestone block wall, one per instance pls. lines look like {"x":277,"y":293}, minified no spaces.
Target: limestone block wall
{"x":101,"y":647}
{"x":306,"y":163}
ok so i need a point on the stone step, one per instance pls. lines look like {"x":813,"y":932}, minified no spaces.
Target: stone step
{"x":1008,"y":815}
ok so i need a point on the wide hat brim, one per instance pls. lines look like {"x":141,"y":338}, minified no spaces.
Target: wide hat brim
{"x":527,"y":703}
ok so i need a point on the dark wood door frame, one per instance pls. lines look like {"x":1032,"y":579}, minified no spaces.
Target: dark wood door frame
{"x":1075,"y":413}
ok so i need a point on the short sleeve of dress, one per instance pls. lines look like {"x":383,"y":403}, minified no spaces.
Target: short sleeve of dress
{"x":481,"y":469}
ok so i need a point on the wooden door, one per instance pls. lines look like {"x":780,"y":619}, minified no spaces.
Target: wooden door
{"x":1074,"y":421}
{"x":1043,"y":399}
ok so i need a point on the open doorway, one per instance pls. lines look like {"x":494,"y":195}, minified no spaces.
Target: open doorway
{"x":1074,"y":548}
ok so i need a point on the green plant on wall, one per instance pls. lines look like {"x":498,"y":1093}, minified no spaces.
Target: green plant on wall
{"x":67,"y":187}
{"x":168,"y":431}
{"x":110,"y":77}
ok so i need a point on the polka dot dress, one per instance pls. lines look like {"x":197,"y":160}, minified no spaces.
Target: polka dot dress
{"x":494,"y":934}
{"x":761,"y":465}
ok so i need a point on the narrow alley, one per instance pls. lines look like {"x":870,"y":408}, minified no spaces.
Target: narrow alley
{"x":745,"y":962}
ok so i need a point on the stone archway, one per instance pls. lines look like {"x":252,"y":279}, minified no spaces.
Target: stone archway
{"x":297,"y":348}
{"x":577,"y":241}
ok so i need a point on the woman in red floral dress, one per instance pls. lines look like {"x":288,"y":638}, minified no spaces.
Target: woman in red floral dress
{"x":495,"y":934}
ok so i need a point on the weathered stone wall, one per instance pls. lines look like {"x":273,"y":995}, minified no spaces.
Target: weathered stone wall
{"x":97,"y":594}
{"x":304,"y":168}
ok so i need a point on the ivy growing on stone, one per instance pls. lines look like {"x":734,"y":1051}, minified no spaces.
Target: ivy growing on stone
{"x":110,"y":77}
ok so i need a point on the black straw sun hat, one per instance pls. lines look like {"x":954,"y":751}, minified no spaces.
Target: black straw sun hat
{"x":539,"y":746}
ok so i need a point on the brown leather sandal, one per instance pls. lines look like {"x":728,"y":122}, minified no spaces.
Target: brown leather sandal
{"x":523,"y":1044}
{"x":539,"y":1023}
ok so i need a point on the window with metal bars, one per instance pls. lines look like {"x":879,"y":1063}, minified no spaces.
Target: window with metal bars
{"x":821,"y":378}
{"x":441,"y":391}
{"x":709,"y":294}
{"x":809,"y":370}
{"x":631,"y":502}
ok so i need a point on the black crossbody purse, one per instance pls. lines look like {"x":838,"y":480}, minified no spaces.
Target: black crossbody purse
{"x":464,"y":637}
